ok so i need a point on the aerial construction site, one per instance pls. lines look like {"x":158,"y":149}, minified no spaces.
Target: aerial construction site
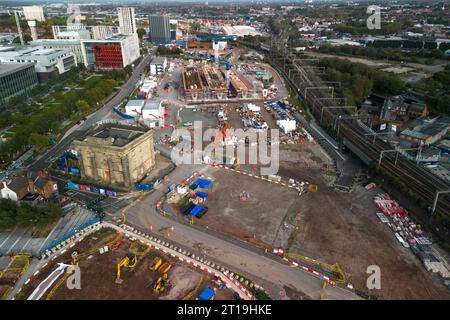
{"x":233,"y":154}
{"x":116,"y":266}
{"x":209,"y":82}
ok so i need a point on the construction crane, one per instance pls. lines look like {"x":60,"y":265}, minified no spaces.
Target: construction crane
{"x":130,"y":261}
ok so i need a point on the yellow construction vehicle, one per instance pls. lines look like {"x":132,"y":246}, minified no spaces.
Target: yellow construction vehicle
{"x":161,"y":283}
{"x":156,"y":264}
{"x":165,"y":267}
{"x":130,"y":261}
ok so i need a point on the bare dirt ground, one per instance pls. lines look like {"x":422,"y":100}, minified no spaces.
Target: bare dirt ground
{"x":343,"y":228}
{"x":328,"y":225}
{"x":98,"y":275}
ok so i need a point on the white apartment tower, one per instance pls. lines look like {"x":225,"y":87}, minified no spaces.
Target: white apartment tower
{"x":34,"y":13}
{"x":127,"y":21}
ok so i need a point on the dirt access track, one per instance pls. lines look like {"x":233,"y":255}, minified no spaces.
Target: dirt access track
{"x":98,"y":274}
{"x":328,"y":225}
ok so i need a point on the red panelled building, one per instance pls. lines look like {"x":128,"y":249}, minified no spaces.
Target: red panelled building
{"x":108,"y":56}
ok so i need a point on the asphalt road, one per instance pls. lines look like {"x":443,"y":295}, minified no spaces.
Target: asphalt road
{"x":271,"y":274}
{"x":105,"y":112}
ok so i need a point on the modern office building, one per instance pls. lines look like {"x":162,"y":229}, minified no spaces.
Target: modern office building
{"x":48,"y":63}
{"x":95,"y":32}
{"x":127,"y":20}
{"x":72,"y":35}
{"x":72,"y":45}
{"x":159,"y":29}
{"x":34,"y":13}
{"x":115,"y":52}
{"x":16,"y":79}
{"x":116,"y":155}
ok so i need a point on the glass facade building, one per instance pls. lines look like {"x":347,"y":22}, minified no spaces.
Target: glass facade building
{"x":16,"y":80}
{"x":159,"y":29}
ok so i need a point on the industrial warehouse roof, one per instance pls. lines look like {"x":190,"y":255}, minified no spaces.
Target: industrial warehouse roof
{"x":414,"y":134}
{"x":136,"y":103}
{"x":10,"y":68}
{"x":240,"y":31}
{"x":18,"y":51}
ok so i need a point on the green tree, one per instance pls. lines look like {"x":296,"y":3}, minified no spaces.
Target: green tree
{"x":39,"y":140}
{"x":83,"y":106}
{"x":141,"y":33}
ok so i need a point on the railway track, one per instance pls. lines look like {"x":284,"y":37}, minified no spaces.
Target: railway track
{"x":312,"y":89}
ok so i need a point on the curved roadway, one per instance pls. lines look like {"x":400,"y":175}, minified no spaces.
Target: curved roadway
{"x":273,"y":275}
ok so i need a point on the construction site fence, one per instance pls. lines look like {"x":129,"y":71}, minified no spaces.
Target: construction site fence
{"x":59,"y":241}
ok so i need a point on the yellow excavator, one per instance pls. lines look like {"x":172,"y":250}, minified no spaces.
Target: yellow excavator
{"x":130,"y":261}
{"x":161,"y":283}
{"x":157,"y":261}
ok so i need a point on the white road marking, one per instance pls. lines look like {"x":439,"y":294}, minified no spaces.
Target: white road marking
{"x":8,"y":237}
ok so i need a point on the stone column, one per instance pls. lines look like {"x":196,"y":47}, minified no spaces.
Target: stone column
{"x":125,"y":172}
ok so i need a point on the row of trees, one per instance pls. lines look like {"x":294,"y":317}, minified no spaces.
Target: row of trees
{"x":359,"y":81}
{"x":409,"y":44}
{"x":437,"y":92}
{"x":27,"y":215}
{"x":383,"y":53}
{"x":359,"y":28}
{"x":166,"y":51}
{"x":35,"y":129}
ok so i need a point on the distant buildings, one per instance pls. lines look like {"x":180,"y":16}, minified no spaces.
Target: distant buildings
{"x":102,"y":32}
{"x":79,"y":31}
{"x":395,"y":111}
{"x":34,"y":13}
{"x":240,"y":31}
{"x":16,"y":80}
{"x":159,"y":29}
{"x":127,"y":20}
{"x":48,"y":63}
{"x":116,"y":155}
{"x":115,"y":52}
{"x":72,"y":35}
{"x":426,"y":133}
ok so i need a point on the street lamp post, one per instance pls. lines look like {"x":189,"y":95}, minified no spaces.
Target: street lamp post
{"x":436,"y":197}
